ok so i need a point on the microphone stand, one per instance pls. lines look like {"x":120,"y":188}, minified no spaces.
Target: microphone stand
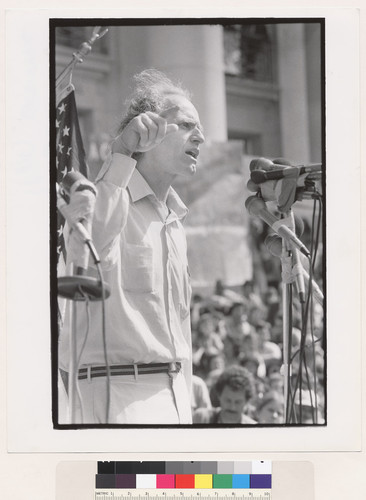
{"x":291,"y":271}
{"x":287,"y":289}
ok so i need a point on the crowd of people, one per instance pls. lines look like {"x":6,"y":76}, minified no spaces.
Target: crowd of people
{"x":237,"y":359}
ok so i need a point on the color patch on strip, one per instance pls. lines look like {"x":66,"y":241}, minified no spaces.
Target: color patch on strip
{"x":126,"y":481}
{"x":241,"y":481}
{"x":174,"y":468}
{"x":140,"y":467}
{"x":191,"y":468}
{"x":208,"y":468}
{"x":105,"y":481}
{"x":225,"y":468}
{"x":184,"y":481}
{"x":106,"y":467}
{"x":261,"y":481}
{"x":243,"y":468}
{"x":203,"y":481}
{"x":146,"y":481}
{"x":222,"y":481}
{"x":165,"y":481}
{"x":261,"y":467}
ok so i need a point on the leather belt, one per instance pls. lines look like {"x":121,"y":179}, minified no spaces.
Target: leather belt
{"x":137,"y":369}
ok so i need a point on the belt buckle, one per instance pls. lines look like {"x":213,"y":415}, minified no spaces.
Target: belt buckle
{"x":174,"y":369}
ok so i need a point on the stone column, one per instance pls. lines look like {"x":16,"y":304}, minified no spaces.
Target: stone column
{"x":194,"y":55}
{"x":294,"y":113}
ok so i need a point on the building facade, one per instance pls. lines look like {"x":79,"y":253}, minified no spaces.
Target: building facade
{"x":259,"y":83}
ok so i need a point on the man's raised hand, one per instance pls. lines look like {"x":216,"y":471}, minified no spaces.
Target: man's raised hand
{"x":144,"y":132}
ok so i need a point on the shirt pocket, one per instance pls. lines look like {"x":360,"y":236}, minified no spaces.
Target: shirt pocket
{"x":137,"y":268}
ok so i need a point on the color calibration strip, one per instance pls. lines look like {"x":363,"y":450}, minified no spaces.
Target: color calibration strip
{"x":184,"y":475}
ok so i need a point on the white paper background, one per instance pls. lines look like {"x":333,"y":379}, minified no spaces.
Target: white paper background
{"x":28,"y":336}
{"x":29,"y":396}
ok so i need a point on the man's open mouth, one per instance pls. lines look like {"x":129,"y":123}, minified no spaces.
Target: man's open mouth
{"x":193,"y":153}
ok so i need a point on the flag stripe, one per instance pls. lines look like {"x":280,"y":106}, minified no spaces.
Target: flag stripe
{"x":70,"y":153}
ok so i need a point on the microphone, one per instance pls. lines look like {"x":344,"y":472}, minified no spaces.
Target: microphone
{"x":258,"y":176}
{"x":76,"y":181}
{"x":274,"y":246}
{"x":279,"y":164}
{"x":257,"y":207}
{"x":76,"y":200}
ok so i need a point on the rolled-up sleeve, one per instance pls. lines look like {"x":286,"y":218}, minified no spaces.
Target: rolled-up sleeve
{"x":111,"y":208}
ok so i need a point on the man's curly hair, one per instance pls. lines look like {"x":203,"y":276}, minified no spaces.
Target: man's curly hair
{"x":152,"y":87}
{"x":238,"y":379}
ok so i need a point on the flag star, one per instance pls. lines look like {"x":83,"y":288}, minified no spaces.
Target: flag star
{"x":60,"y":147}
{"x":64,"y":172}
{"x":59,"y":231}
{"x":69,"y":150}
{"x":62,"y":108}
{"x":66,"y":130}
{"x":59,"y":249}
{"x":58,"y":123}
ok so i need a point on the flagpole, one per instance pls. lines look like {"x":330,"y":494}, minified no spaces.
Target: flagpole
{"x":78,"y":56}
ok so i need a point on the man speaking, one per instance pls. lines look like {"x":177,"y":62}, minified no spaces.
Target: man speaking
{"x":137,"y":230}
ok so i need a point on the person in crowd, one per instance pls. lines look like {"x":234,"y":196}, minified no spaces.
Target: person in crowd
{"x":270,"y":408}
{"x":266,"y":348}
{"x":308,"y":407}
{"x":207,"y":339}
{"x":237,"y":327}
{"x":224,"y":294}
{"x":252,"y":298}
{"x":213,"y":367}
{"x":272,"y":303}
{"x":235,"y":389}
{"x":144,"y":376}
{"x":276,"y":382}
{"x":273,"y":366}
{"x":200,"y":395}
{"x":257,"y":314}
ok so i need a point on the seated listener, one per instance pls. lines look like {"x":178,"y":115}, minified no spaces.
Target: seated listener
{"x":235,"y":388}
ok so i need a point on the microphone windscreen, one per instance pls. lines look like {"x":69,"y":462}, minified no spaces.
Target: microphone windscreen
{"x":253,"y":164}
{"x":255,"y":205}
{"x":252,"y":186}
{"x":273,"y":243}
{"x":76,"y":181}
{"x":69,"y":180}
{"x":283,"y":161}
{"x":258,"y":176}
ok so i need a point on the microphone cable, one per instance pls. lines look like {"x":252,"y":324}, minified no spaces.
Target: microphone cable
{"x":104,"y":331}
{"x":105,"y":349}
{"x":307,"y":309}
{"x":86,"y":298}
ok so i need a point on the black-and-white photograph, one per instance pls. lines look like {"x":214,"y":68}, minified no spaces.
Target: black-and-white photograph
{"x":187,"y":188}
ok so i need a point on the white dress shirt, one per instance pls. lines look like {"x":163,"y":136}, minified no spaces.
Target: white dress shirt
{"x":142,"y":246}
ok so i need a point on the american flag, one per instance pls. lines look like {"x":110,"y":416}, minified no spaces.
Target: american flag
{"x":70,"y":153}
